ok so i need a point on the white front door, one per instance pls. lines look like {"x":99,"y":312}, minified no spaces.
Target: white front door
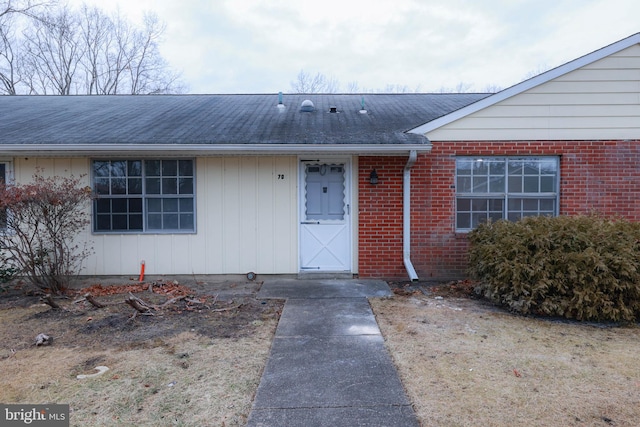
{"x":325,"y":230}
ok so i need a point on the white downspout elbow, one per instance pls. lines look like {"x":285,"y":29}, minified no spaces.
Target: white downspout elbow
{"x":406,"y":216}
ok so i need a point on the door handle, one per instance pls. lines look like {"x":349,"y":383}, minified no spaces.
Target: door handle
{"x":310,"y":222}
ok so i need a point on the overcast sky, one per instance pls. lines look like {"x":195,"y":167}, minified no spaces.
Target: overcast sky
{"x":259,"y":46}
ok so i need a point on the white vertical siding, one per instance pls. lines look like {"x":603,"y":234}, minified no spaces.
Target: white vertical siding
{"x":598,"y":101}
{"x":246,"y":221}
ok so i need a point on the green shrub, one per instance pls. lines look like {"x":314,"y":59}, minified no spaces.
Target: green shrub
{"x":579,"y":267}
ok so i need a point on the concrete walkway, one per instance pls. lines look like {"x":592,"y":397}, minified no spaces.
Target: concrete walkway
{"x":328,"y":365}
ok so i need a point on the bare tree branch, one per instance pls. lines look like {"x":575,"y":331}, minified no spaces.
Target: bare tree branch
{"x":306,"y":83}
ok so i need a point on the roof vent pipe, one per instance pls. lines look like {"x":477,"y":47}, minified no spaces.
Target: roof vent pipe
{"x":362,"y":109}
{"x":406,"y":216}
{"x":280,"y":104}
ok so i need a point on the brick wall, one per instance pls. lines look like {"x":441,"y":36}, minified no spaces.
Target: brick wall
{"x":595,"y":176}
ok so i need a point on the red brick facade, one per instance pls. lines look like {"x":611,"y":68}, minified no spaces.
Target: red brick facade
{"x":595,"y":176}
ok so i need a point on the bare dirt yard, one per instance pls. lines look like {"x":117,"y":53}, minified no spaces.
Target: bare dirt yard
{"x":198,"y":359}
{"x":195,"y":361}
{"x":464,"y":362}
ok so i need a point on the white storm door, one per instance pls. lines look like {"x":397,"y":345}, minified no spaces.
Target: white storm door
{"x":325,"y":232}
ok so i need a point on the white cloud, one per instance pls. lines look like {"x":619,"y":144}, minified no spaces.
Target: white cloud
{"x":240,"y":46}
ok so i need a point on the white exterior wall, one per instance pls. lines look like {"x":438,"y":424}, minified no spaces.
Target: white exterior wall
{"x":246,"y":221}
{"x":599,"y":101}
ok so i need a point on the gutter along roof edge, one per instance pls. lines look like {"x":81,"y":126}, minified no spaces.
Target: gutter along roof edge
{"x":43,"y":150}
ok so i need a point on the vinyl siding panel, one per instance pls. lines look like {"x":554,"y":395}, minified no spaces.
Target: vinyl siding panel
{"x":598,"y":101}
{"x":246,"y":220}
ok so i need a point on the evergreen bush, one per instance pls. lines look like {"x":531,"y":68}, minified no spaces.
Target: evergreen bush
{"x":581,"y":267}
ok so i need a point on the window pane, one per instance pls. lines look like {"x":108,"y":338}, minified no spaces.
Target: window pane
{"x":547,"y":205}
{"x":531,"y":184}
{"x":497,"y":167}
{"x":531,"y":167}
{"x":154,"y":221}
{"x":118,"y":186}
{"x":495,"y":205}
{"x":464,"y":184}
{"x":134,"y":168}
{"x":480,"y":167}
{"x":185,"y":168}
{"x":169,"y":168}
{"x":101,"y":186}
{"x":119,"y":168}
{"x":135,"y":205}
{"x":515,"y":167}
{"x":515,"y":204}
{"x":100,"y":169}
{"x":480,"y":184}
{"x":119,"y":222}
{"x":186,"y":222}
{"x":135,"y":222}
{"x":530,"y":204}
{"x":154,"y":205}
{"x":186,"y":205}
{"x":103,"y":222}
{"x":478,"y":218}
{"x":169,"y":186}
{"x":103,"y":206}
{"x":186,"y":185}
{"x":464,"y":204}
{"x":495,"y":216}
{"x":548,"y":166}
{"x":464,"y":220}
{"x":135,"y":185}
{"x":463,"y":166}
{"x":153,"y":185}
{"x":478,"y":205}
{"x":515,"y":184}
{"x":152,"y":167}
{"x":496,"y":184}
{"x":547,"y":184}
{"x":170,"y":221}
{"x":170,"y":205}
{"x":119,"y":205}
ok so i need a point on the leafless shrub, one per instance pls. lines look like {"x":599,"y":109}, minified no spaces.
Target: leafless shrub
{"x":43,"y":220}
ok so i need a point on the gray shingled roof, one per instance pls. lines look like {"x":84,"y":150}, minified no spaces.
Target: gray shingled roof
{"x":221,"y":119}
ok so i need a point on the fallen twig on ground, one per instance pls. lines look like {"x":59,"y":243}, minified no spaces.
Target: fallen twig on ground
{"x":47,"y":299}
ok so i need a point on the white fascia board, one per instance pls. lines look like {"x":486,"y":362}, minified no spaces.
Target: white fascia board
{"x":528,"y":84}
{"x":43,"y":150}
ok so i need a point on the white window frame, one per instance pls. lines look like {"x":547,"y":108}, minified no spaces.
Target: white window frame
{"x":487,"y":195}
{"x":145,"y":197}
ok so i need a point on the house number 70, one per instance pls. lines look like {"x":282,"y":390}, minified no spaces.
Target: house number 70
{"x":280,"y":176}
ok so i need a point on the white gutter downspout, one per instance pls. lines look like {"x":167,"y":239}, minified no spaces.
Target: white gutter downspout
{"x":406,"y":212}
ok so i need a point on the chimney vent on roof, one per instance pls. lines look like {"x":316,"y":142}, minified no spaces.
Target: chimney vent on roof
{"x":333,"y":109}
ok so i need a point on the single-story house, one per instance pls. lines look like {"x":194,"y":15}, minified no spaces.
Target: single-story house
{"x":375,"y":185}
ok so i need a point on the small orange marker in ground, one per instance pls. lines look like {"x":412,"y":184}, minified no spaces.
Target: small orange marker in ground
{"x":141,"y":278}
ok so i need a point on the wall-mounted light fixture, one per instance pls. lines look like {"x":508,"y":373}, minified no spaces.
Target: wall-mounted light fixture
{"x":373,"y":177}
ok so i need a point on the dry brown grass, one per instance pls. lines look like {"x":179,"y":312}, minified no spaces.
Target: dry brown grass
{"x":464,"y":363}
{"x":178,"y":368}
{"x":214,"y":381}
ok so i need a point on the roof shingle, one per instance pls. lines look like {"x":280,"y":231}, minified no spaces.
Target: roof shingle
{"x":222,"y":119}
